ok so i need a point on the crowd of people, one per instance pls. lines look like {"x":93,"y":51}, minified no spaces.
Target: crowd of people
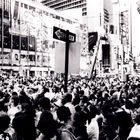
{"x":92,"y":109}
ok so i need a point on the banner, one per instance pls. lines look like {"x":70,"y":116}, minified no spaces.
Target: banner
{"x":106,"y":55}
{"x":74,"y":58}
{"x":92,"y":39}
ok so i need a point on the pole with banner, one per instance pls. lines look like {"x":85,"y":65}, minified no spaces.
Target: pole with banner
{"x":67,"y":37}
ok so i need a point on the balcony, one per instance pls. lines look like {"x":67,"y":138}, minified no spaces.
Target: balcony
{"x":70,"y":5}
{"x":52,"y":2}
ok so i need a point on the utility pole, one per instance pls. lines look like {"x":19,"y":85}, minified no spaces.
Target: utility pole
{"x":66,"y":60}
{"x":2,"y":34}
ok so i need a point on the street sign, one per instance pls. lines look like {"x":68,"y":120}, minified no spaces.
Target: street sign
{"x":60,"y":34}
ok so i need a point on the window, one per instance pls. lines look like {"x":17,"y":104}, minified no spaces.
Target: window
{"x":24,"y":43}
{"x":84,"y":9}
{"x":25,"y":6}
{"x":22,"y":4}
{"x":57,"y":17}
{"x":15,"y":15}
{"x":6,"y":14}
{"x":84,"y":14}
{"x":7,"y":42}
{"x":32,"y":57}
{"x":31,"y":8}
{"x":15,"y":41}
{"x":46,"y":13}
{"x":31,"y":43}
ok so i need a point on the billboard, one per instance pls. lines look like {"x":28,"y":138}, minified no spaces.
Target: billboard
{"x":92,"y":39}
{"x":15,"y":58}
{"x":106,"y":55}
{"x":6,"y":58}
{"x":24,"y":59}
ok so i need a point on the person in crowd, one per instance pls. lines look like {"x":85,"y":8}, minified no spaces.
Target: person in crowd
{"x":14,"y":107}
{"x":67,"y":102}
{"x":118,"y":103}
{"x":47,"y":126}
{"x":135,"y":131}
{"x":109,"y":125}
{"x":65,"y":129}
{"x":5,"y":134}
{"x":93,"y":126}
{"x":79,"y":125}
{"x":24,"y":123}
{"x":124,"y":119}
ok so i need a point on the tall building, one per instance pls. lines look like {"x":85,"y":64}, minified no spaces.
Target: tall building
{"x":27,"y":45}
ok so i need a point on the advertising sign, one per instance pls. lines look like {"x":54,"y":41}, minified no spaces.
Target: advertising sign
{"x":6,"y":57}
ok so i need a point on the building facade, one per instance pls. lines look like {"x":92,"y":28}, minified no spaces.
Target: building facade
{"x":27,"y":45}
{"x":67,"y":4}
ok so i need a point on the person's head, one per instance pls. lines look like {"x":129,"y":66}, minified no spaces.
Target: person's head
{"x":74,"y":90}
{"x":80,"y":118}
{"x":63,"y":114}
{"x":84,"y":100}
{"x":129,"y":104}
{"x":44,"y":103}
{"x":14,"y":93}
{"x":1,"y":94}
{"x":67,"y":98}
{"x":47,"y":125}
{"x":4,"y":121}
{"x":93,"y":111}
{"x":15,"y":100}
{"x":76,"y":100}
